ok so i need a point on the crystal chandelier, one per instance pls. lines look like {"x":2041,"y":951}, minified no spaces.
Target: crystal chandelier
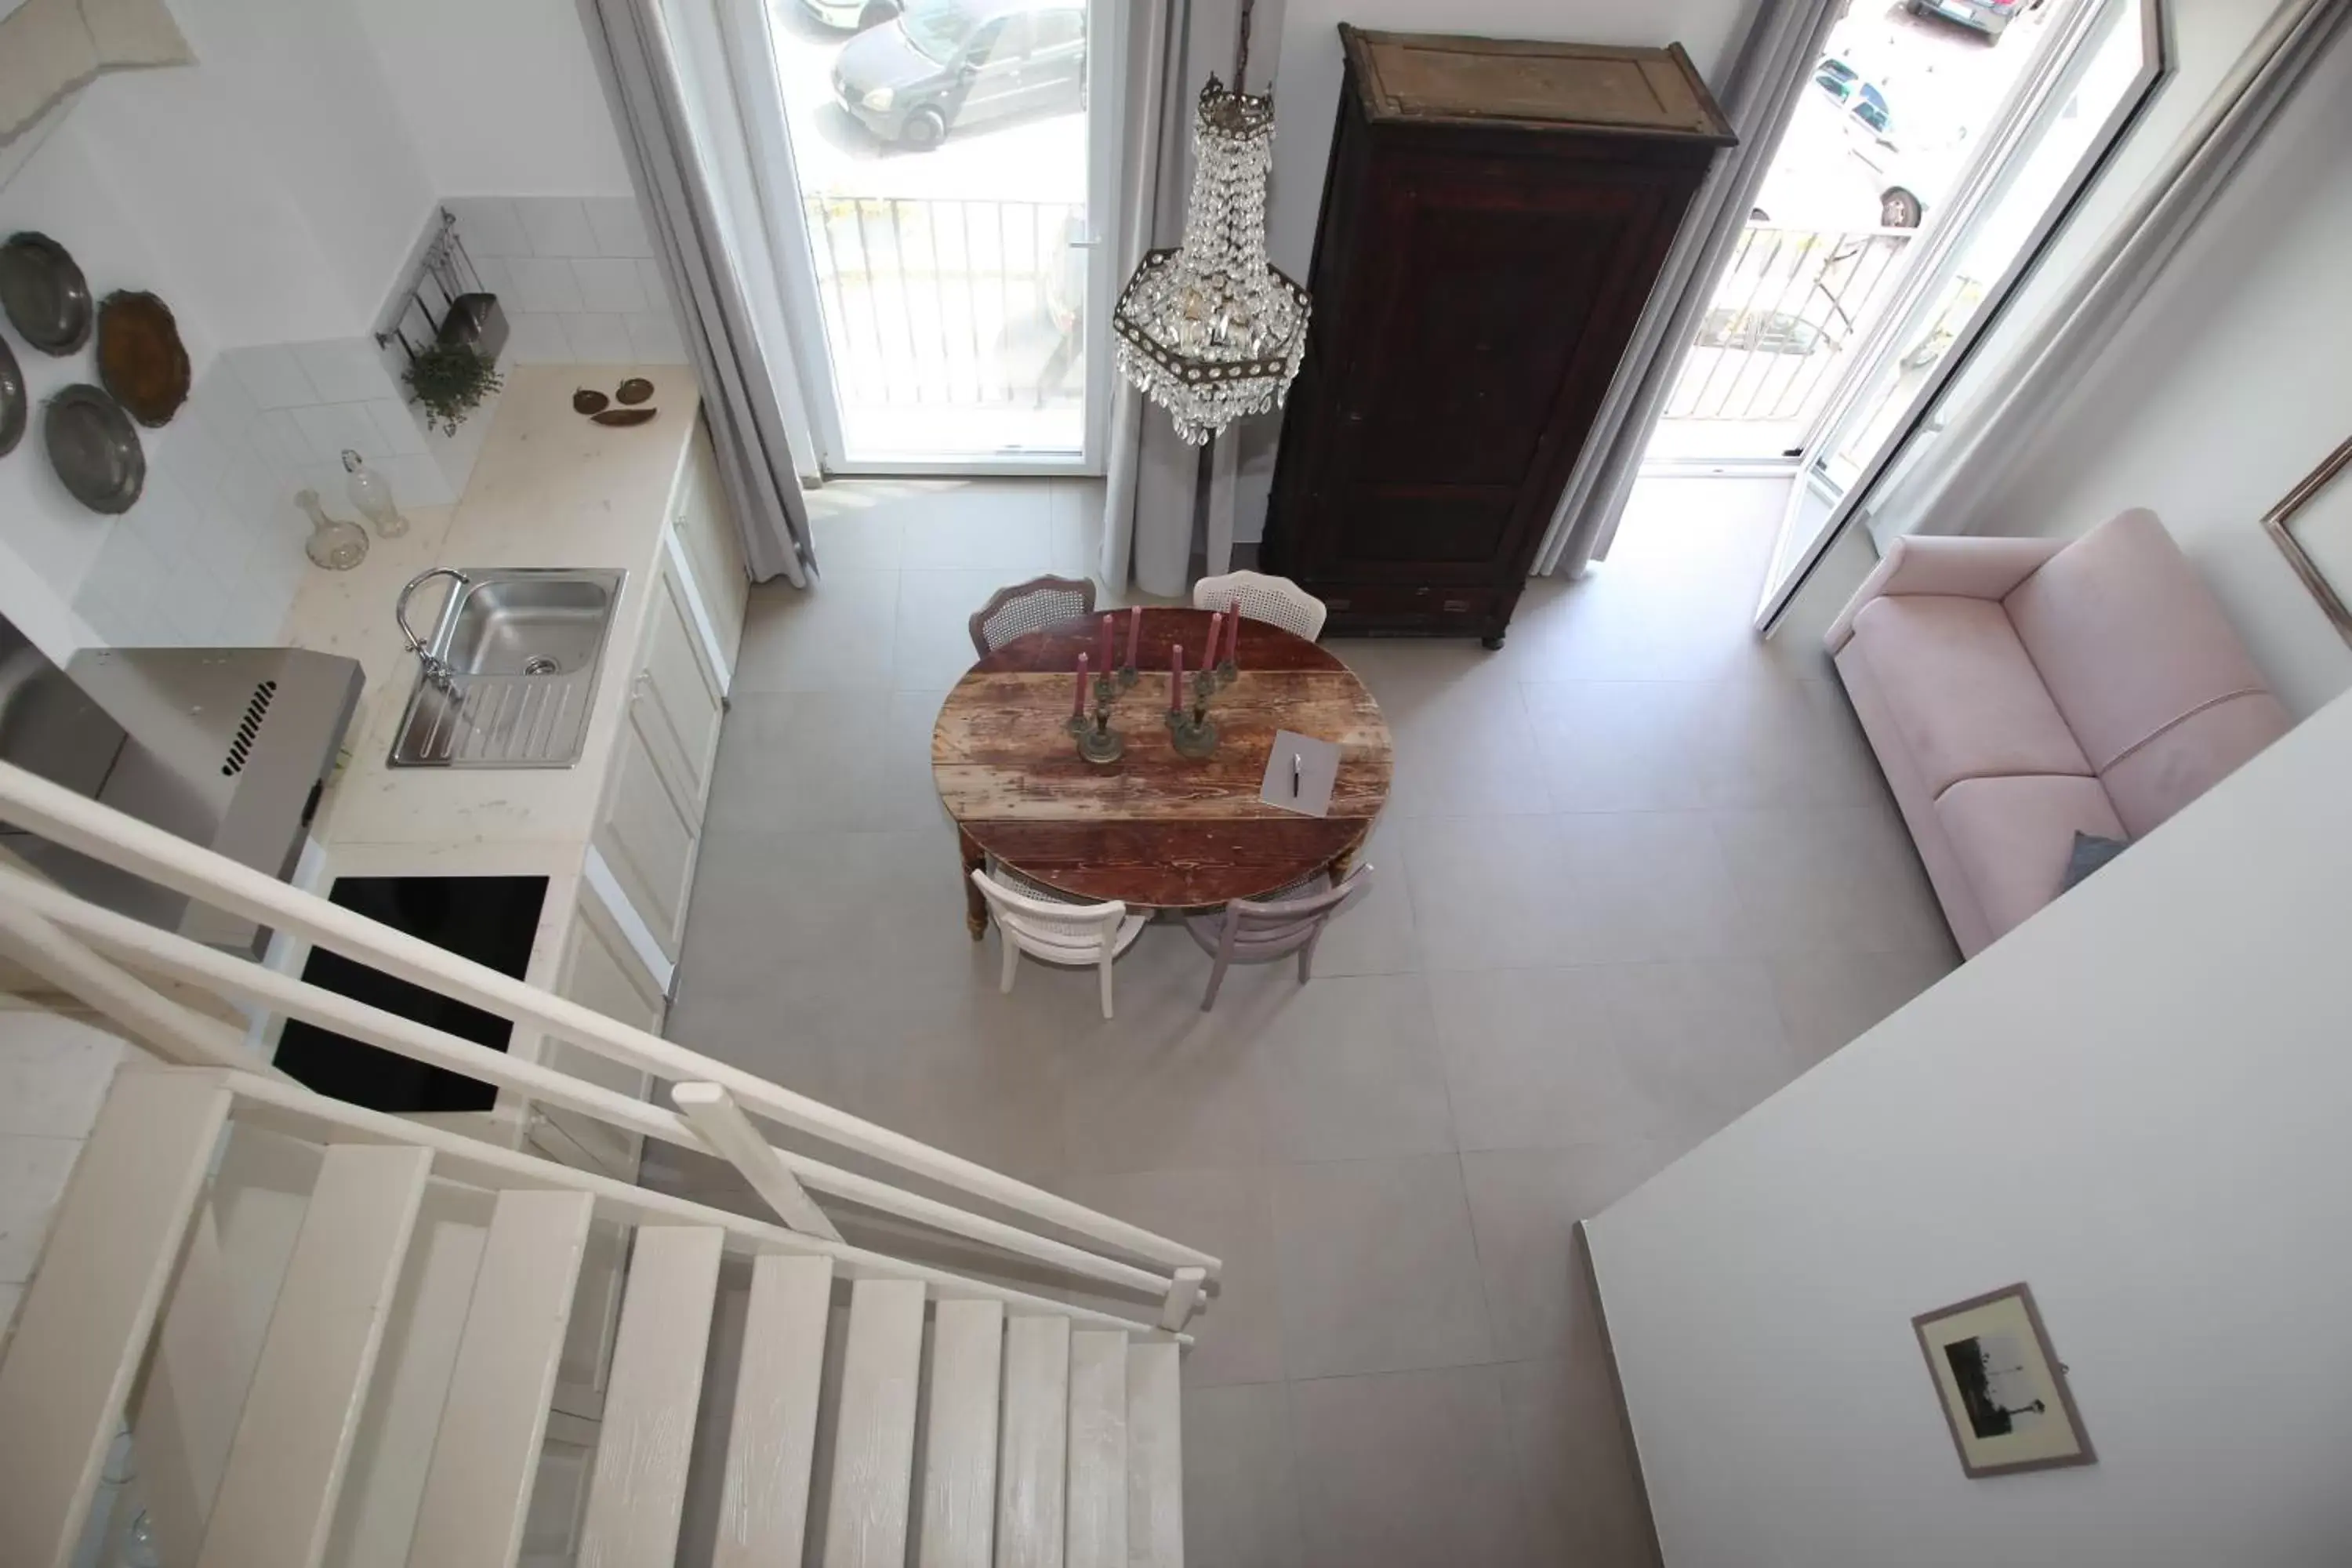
{"x":1211,"y":330}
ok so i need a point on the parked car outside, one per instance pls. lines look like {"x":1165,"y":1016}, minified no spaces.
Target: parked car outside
{"x":1990,"y":17}
{"x":1839,"y":167}
{"x":850,"y":15}
{"x":952,"y":65}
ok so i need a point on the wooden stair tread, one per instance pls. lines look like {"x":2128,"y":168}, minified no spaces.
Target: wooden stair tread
{"x":637,"y":1492}
{"x":1155,"y":1456}
{"x":276,"y":1498}
{"x":764,"y":1517}
{"x":1032,"y":1454}
{"x":486,"y":1450}
{"x":83,"y":1326}
{"x":873,"y":1438}
{"x":958,"y":1522}
{"x":1097,"y":1506}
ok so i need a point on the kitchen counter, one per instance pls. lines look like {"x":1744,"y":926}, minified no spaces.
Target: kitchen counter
{"x":550,"y":489}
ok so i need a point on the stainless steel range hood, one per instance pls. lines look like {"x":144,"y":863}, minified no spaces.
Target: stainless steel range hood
{"x":225,"y":747}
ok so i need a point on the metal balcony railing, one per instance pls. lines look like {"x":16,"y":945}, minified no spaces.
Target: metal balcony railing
{"x":949,"y":303}
{"x":1792,"y":305}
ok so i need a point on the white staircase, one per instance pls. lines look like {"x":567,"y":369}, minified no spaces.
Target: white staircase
{"x":338,"y":1337}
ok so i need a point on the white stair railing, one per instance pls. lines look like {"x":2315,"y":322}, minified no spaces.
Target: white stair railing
{"x":105,"y":960}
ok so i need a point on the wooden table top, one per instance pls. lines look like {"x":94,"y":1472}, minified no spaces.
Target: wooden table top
{"x":1155,"y":830}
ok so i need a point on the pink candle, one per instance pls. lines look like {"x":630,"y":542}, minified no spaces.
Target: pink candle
{"x":1176,"y":675}
{"x":1078,"y":704}
{"x":1233,"y":638}
{"x":1105,"y":664}
{"x":1216,"y":639}
{"x":1134,"y":632}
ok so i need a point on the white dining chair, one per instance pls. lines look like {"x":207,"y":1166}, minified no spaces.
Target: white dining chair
{"x":1278,"y":600}
{"x":1260,"y":931}
{"x":1054,"y":929}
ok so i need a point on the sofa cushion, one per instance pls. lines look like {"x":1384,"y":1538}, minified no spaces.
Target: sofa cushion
{"x":2013,"y":837}
{"x":2181,"y":761}
{"x":2127,"y":638}
{"x":1962,"y":691}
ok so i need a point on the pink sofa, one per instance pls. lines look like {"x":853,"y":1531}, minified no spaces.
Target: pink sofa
{"x":2019,"y":690}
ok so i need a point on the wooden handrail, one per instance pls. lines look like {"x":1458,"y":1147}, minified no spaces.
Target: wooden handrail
{"x":78,"y":823}
{"x":148,"y":948}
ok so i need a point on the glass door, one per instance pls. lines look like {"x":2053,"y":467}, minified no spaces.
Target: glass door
{"x":941,"y":172}
{"x":2104,"y":57}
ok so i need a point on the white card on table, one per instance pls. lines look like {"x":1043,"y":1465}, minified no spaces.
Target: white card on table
{"x":1299,"y":774}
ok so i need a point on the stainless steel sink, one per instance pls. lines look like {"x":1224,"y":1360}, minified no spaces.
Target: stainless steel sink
{"x":523,"y":647}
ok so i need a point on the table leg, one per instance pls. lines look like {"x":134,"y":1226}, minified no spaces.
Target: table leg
{"x":975,"y":908}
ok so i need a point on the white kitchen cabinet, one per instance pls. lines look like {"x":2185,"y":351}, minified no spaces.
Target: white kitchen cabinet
{"x":713,"y":550}
{"x":661,"y":768}
{"x":599,"y":969}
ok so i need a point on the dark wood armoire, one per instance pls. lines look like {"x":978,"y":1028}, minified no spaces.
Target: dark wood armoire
{"x":1494,"y":216}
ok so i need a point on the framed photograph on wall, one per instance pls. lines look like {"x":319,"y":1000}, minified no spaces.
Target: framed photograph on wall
{"x":2003,"y":1387}
{"x":2313,"y":525}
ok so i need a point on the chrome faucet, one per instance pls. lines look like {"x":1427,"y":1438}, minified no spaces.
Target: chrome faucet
{"x":436,"y":668}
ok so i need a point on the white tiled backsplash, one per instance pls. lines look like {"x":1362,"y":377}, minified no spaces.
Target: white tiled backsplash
{"x":213,"y":553}
{"x":576,"y":275}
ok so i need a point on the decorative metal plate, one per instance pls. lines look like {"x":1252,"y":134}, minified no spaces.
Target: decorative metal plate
{"x":43,"y":293}
{"x":95,"y":449}
{"x":140,"y":359}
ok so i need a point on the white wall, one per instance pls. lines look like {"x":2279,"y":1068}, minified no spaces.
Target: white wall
{"x":499,"y":98}
{"x":2135,"y":1102}
{"x":2227,"y":385}
{"x":268,"y":193}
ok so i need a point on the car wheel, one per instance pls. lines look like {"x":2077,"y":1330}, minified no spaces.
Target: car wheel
{"x":1898,"y":208}
{"x":877,"y":13}
{"x":924,"y":130}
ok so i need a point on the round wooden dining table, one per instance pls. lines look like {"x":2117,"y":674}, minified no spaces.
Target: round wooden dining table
{"x":1154,"y":829}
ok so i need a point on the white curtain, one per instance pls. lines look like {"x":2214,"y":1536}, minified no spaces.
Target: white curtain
{"x":2001,"y":417}
{"x":649,"y":82}
{"x":1151,"y":475}
{"x":1774,"y":72}
{"x":1153,"y":491}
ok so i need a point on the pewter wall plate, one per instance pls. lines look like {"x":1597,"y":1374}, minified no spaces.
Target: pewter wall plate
{"x":12,"y":400}
{"x":43,"y":293}
{"x":95,"y":449}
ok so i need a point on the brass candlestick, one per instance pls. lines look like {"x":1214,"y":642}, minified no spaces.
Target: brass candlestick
{"x":1097,"y":742}
{"x":1191,"y":732}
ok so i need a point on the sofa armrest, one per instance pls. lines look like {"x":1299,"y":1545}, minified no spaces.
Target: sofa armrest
{"x":1959,"y":568}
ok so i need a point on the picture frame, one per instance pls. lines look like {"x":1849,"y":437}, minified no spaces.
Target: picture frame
{"x":2317,"y":541}
{"x":2002,"y":1387}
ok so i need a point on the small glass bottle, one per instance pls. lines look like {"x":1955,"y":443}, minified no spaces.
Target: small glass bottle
{"x":372,"y":493}
{"x":335,"y":544}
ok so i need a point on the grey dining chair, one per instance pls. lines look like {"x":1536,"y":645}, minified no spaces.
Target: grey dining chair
{"x":1260,"y":931}
{"x":1025,"y":607}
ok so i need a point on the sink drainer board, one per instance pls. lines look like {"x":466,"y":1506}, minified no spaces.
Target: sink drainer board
{"x":505,"y":721}
{"x":524,"y":647}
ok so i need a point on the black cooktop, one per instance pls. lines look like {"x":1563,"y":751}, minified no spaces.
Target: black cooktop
{"x":490,"y":920}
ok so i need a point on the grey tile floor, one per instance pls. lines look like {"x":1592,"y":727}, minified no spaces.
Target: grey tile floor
{"x":1638,"y":871}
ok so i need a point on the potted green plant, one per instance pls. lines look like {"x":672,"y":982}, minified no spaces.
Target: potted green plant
{"x":450,"y":380}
